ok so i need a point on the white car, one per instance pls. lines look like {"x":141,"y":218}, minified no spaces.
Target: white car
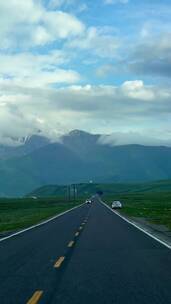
{"x":88,"y":201}
{"x":116,"y":205}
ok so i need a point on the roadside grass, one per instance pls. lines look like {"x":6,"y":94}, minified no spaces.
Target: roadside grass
{"x":16,"y":214}
{"x":154,"y":207}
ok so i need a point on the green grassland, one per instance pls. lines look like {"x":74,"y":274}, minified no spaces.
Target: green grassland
{"x":154,"y":207}
{"x":21,"y":213}
{"x":151,"y":201}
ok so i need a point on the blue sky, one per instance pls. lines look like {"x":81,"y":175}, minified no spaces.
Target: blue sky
{"x":102,"y":66}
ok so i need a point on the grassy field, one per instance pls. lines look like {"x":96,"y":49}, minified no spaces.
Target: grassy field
{"x":155,"y":207}
{"x":21,"y":213}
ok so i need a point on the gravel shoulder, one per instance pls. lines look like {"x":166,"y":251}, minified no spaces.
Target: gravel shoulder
{"x":160,"y":231}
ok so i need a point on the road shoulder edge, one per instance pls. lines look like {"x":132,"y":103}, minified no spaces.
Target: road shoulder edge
{"x":39,"y":224}
{"x":135,"y":224}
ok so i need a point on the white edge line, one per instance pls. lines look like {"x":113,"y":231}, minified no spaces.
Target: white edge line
{"x":40,"y":224}
{"x":138,"y":227}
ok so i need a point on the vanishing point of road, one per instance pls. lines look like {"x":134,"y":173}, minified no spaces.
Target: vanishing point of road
{"x":89,"y":255}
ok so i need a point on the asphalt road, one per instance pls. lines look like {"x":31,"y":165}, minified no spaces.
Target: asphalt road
{"x":107,"y":261}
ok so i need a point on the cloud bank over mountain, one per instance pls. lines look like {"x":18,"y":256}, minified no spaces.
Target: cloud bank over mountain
{"x":135,"y":138}
{"x":132,"y":105}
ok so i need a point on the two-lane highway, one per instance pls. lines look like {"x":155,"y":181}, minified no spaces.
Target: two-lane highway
{"x":89,"y":255}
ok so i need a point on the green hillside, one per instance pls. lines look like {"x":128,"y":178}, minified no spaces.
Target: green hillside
{"x":87,"y":189}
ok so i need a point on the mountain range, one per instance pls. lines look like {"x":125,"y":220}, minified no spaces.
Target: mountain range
{"x":78,"y":157}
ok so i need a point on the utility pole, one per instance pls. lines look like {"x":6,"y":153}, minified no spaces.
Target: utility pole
{"x":75,"y":191}
{"x":69,"y":192}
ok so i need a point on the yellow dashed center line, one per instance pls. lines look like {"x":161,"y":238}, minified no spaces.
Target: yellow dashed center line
{"x":36,"y":297}
{"x":59,"y":262}
{"x":71,"y":244}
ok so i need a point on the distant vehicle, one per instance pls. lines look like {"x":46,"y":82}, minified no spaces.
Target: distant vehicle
{"x":116,"y":205}
{"x":88,"y":201}
{"x":99,"y":192}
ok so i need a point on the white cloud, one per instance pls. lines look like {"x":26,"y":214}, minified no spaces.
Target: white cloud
{"x":95,"y":40}
{"x":148,"y":56}
{"x":43,"y":79}
{"x":62,"y":25}
{"x":28,"y":24}
{"x":149,"y":138}
{"x":56,"y":3}
{"x":152,"y":56}
{"x":29,"y":70}
{"x":82,"y":7}
{"x":77,"y":5}
{"x":59,"y":3}
{"x":109,"y":2}
{"x":137,"y":90}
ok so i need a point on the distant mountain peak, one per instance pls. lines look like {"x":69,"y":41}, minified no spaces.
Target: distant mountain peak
{"x":77,"y":132}
{"x":79,"y":137}
{"x":36,"y":138}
